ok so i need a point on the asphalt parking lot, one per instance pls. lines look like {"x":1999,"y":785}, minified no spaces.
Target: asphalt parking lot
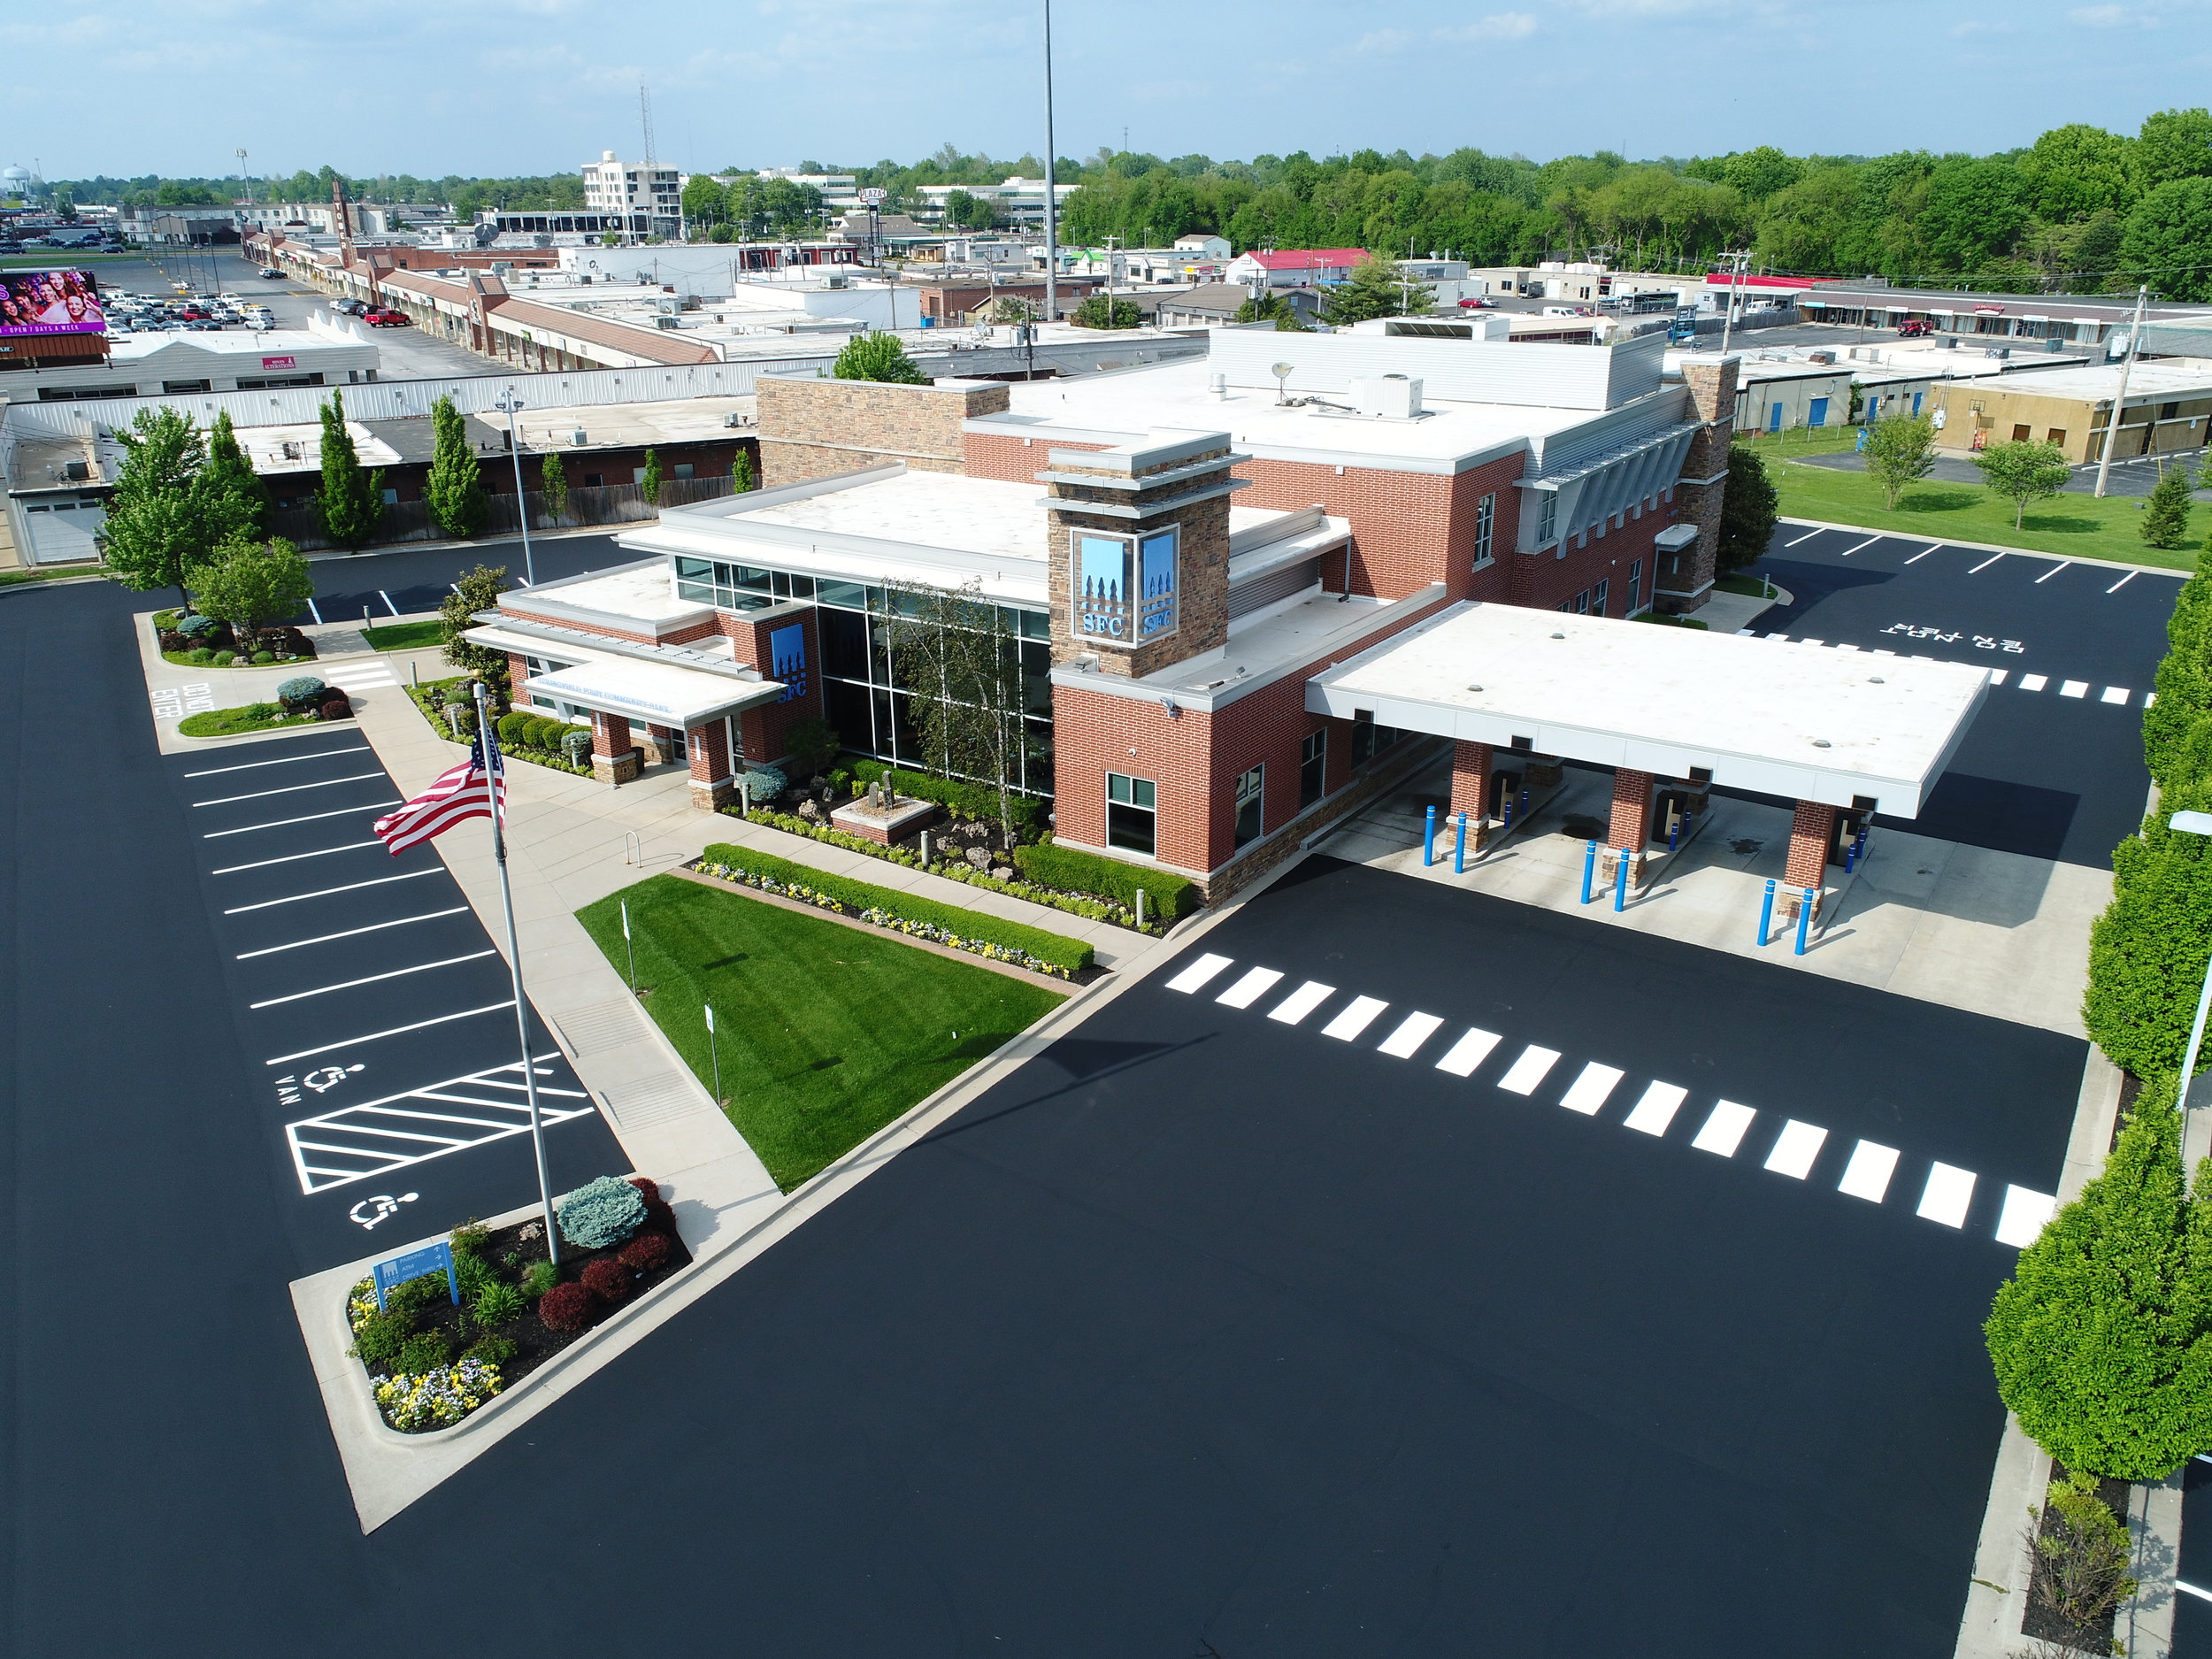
{"x":2053,"y":765}
{"x":2192,"y":1598}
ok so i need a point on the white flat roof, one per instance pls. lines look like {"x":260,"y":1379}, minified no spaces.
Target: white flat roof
{"x":928,"y":509}
{"x":666,"y":694}
{"x":645,"y":592}
{"x":2184,"y":376}
{"x":1806,"y":722}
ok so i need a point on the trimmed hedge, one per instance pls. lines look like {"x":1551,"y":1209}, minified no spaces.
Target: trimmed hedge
{"x":974,"y":800}
{"x":2147,"y":951}
{"x":1054,"y":951}
{"x":1072,"y":870}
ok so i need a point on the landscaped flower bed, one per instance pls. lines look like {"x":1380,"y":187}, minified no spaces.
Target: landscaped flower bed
{"x":192,"y":640}
{"x":300,"y":701}
{"x":431,"y":1362}
{"x":430,"y":697}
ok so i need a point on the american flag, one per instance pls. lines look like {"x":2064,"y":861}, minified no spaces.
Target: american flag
{"x":454,"y":796}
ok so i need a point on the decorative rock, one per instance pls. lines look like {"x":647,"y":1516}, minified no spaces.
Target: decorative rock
{"x":979,"y":856}
{"x":1002,"y":872}
{"x":810,"y":809}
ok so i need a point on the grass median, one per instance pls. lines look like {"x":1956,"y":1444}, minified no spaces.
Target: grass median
{"x":825,"y":1032}
{"x":405,"y":636}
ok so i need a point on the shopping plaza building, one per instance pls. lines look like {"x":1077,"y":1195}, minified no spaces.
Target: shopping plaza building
{"x":1248,"y":593}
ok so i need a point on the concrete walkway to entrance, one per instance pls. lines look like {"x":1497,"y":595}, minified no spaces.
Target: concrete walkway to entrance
{"x":1990,"y":931}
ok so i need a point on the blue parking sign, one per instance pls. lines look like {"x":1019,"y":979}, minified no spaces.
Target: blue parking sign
{"x":389,"y":1275}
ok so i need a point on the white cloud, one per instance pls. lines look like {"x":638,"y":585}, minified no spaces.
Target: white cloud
{"x":1382,"y":41}
{"x":1499,"y":25}
{"x":2111,"y":16}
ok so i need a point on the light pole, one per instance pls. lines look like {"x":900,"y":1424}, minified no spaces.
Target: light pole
{"x":1052,"y":204}
{"x":512,"y":406}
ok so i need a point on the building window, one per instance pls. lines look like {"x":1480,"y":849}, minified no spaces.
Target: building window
{"x":1485,"y":515}
{"x":1251,"y":804}
{"x":1313,"y":768}
{"x":1546,"y":515}
{"x":1369,"y":739}
{"x":172,"y":388}
{"x":1597,"y":596}
{"x":1582,"y":603}
{"x":1125,"y":586}
{"x":685,"y":469}
{"x":1131,"y":813}
{"x":1635,"y":586}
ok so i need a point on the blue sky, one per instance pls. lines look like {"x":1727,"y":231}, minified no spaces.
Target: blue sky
{"x":487,"y":86}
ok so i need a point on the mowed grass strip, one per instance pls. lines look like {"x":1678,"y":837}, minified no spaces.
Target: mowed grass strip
{"x":404,"y":636}
{"x":827,"y":1032}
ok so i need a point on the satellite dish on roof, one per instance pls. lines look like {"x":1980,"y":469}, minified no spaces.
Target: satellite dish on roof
{"x":1281,"y":371}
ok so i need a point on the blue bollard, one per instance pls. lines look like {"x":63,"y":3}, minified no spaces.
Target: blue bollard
{"x":1459,"y":852}
{"x":1589,"y":869}
{"x":1850,"y":858}
{"x":1620,"y":882}
{"x":1674,"y":832}
{"x":1804,"y":920}
{"x":1523,"y":803}
{"x":1505,"y":825}
{"x":1428,"y":840}
{"x":1766,"y":916}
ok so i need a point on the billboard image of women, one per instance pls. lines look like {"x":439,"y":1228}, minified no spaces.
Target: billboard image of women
{"x":50,"y":302}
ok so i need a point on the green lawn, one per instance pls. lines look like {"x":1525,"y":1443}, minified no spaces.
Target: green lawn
{"x":50,"y":574}
{"x":826,"y":1033}
{"x":405,"y":636}
{"x":254,"y":717}
{"x":2077,"y":526}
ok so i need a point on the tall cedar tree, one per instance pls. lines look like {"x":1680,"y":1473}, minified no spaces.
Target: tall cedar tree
{"x":479,"y":590}
{"x":2100,"y":1340}
{"x":649,"y":485}
{"x":2147,"y":951}
{"x":251,"y":584}
{"x":1900,"y":451}
{"x":2166,"y":514}
{"x":235,"y":502}
{"x":2184,"y":682}
{"x":554,"y":483}
{"x":154,"y":537}
{"x":455,"y":487}
{"x":350,"y":501}
{"x":873,"y":357}
{"x":1748,"y":509}
{"x":742,"y":474}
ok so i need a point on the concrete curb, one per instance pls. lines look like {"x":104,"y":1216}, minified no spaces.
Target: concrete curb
{"x":1992,"y":546}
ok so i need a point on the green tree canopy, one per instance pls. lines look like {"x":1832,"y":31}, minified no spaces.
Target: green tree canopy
{"x":1900,"y":451}
{"x":2147,"y":951}
{"x":877,"y":357}
{"x":2183,"y":686}
{"x":2166,"y":514}
{"x":553,"y":482}
{"x":1376,"y":288}
{"x":479,"y":590}
{"x":1106,"y":310}
{"x":2076,"y":172}
{"x":154,"y":535}
{"x":1749,"y":508}
{"x":2023,"y":472}
{"x":2166,"y":237}
{"x":2173,"y":144}
{"x":233,"y":501}
{"x":350,"y":501}
{"x":251,"y":584}
{"x":455,"y":487}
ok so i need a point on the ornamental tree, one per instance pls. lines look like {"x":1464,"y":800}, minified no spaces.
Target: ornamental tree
{"x":1104,"y":311}
{"x":2147,"y":951}
{"x":1376,"y":288}
{"x":877,"y":357}
{"x":1900,"y":451}
{"x":350,"y":501}
{"x":251,"y":584}
{"x":454,"y":487}
{"x":649,"y":482}
{"x":2024,"y":471}
{"x":154,"y":536}
{"x":554,"y":484}
{"x":479,"y":590}
{"x":742,"y":474}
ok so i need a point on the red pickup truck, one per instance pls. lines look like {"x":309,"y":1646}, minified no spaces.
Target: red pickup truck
{"x":1912,"y":328}
{"x":386,"y":319}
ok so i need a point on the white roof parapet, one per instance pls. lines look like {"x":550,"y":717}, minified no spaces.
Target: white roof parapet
{"x":1806,"y":722}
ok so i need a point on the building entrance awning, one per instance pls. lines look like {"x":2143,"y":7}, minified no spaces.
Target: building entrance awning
{"x":1807,"y":723}
{"x":661,"y":693}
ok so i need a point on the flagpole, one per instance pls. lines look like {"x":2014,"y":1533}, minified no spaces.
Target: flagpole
{"x":489,"y":750}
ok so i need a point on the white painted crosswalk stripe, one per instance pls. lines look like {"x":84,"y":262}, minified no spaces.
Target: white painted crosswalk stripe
{"x":1255,"y":983}
{"x":1527,"y":1071}
{"x":1795,"y":1149}
{"x":1301,"y":1002}
{"x":2115,"y":694}
{"x":1997,"y":676}
{"x":2034,"y":683}
{"x":1867,"y":1174}
{"x":1949,"y":1191}
{"x":1355,"y":1019}
{"x":1469,"y":1052}
{"x":1412,"y":1032}
{"x":1198,"y":973}
{"x":1725,"y":1129}
{"x":1657,"y":1108}
{"x":1589,"y":1091}
{"x":2023,"y":1215}
{"x":2074,"y":689}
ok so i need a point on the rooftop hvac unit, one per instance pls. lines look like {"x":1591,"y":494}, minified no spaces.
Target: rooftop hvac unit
{"x":733,"y":419}
{"x":76,"y":472}
{"x":1997,"y":352}
{"x":2053,"y":344}
{"x":667,"y":322}
{"x":1388,"y":396}
{"x":577,"y":439}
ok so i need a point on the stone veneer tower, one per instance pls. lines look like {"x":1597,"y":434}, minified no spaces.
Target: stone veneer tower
{"x":1685,"y":577}
{"x":1140,"y":552}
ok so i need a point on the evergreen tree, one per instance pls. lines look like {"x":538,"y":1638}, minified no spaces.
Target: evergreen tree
{"x":2100,"y":1340}
{"x":741,"y":473}
{"x":1376,"y":287}
{"x":154,"y":535}
{"x":2147,"y":951}
{"x":555,"y":485}
{"x":455,"y":487}
{"x":233,"y":501}
{"x":650,"y":485}
{"x":1748,"y":509}
{"x":2166,"y":515}
{"x":350,"y":501}
{"x":479,"y":590}
{"x":873,"y":357}
{"x":2183,"y":686}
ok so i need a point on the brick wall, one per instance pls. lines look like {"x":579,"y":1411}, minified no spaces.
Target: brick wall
{"x":1688,"y":580}
{"x":1546,"y":582}
{"x":766,"y":731}
{"x":811,"y":428}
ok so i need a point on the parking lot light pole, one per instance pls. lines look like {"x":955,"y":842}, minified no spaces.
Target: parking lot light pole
{"x":2194,"y":823}
{"x":512,"y":406}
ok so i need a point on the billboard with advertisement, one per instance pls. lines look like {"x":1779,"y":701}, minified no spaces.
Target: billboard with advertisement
{"x":50,"y":302}
{"x":279,"y":363}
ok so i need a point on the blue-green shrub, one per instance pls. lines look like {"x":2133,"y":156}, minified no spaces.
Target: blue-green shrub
{"x":600,"y":1214}
{"x":192,"y":626}
{"x":301,"y":691}
{"x":764,"y":784}
{"x":576,"y":744}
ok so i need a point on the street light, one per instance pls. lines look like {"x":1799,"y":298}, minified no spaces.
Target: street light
{"x":512,"y":406}
{"x":2194,"y":823}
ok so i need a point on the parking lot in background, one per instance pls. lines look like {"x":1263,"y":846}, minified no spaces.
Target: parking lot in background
{"x":376,"y":1012}
{"x":2053,"y":765}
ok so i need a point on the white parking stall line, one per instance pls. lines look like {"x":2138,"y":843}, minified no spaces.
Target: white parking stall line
{"x":1469,"y":1052}
{"x":1412,"y":1032}
{"x":2149,"y":697}
{"x":1656,"y":1110}
{"x":1195,"y":976}
{"x":2074,"y":689}
{"x":1862,"y":547}
{"x":2054,"y":571}
{"x":323,"y":893}
{"x":1527,"y":1071}
{"x":1748,"y":633}
{"x":2187,"y":1588}
{"x":2115,"y":694}
{"x":311,"y":817}
{"x":1808,"y":537}
{"x":293,"y":858}
{"x":350,"y":932}
{"x":2034,"y":683}
{"x":2122,"y":582}
{"x":2023,"y":1216}
{"x":1984,"y":564}
{"x":1924,"y":553}
{"x":1842,"y":647}
{"x":1357,"y":1018}
{"x":1867,"y":1174}
{"x":1254,"y":985}
{"x":321,"y":754}
{"x":373,"y":979}
{"x":1301,"y":1002}
{"x":1796,"y":1148}
{"x":353,"y":1143}
{"x":262,"y":795}
{"x":1948,"y":1193}
{"x":1725,"y":1129}
{"x":1588,"y":1092}
{"x":396,"y":1031}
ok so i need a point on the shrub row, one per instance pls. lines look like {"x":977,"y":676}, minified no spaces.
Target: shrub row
{"x":905,"y":912}
{"x":519,"y":731}
{"x":973,"y":801}
{"x":1072,"y":870}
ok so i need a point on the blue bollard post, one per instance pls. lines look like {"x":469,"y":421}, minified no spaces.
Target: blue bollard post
{"x":1674,"y":831}
{"x":1505,"y":823}
{"x":1850,"y":858}
{"x":1459,"y":851}
{"x":1804,"y":920}
{"x":1620,"y":882}
{"x":1428,"y":840}
{"x":1766,"y":916}
{"x":1589,"y":869}
{"x":1523,"y":803}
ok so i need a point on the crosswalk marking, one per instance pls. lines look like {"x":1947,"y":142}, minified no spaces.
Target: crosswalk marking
{"x":356,"y":677}
{"x":2115,"y":694}
{"x":1948,"y":1193}
{"x":1198,"y":973}
{"x":1590,"y":1089}
{"x":1355,"y":1019}
{"x":1867,"y":1175}
{"x":1657,"y":1108}
{"x":1725,"y":1129}
{"x":1255,"y":984}
{"x":2074,"y":689}
{"x":1301,"y":1002}
{"x":1997,"y":676}
{"x":2023,"y":1215}
{"x":2034,"y":683}
{"x":1469,"y":1052}
{"x":1527,"y":1071}
{"x":1795,"y":1149}
{"x":1412,"y":1032}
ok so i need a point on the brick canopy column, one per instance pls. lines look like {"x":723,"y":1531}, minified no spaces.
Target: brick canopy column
{"x":711,"y":785}
{"x":1631,"y":826}
{"x":1812,"y":831}
{"x":1470,"y":789}
{"x":614,"y":758}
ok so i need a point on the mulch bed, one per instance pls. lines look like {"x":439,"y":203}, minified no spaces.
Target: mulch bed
{"x":2039,"y":1621}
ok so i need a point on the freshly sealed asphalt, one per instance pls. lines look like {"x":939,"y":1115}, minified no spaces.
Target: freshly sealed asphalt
{"x":1205,"y":1330}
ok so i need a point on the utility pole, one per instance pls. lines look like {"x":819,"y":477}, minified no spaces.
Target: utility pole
{"x":2112,"y":426}
{"x":1052,"y":204}
{"x":243,"y":179}
{"x":1737,"y":261}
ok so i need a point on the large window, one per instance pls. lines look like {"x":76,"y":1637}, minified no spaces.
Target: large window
{"x":1251,"y":804}
{"x":1313,"y":768}
{"x":1486,"y":514}
{"x":1546,"y":515}
{"x":1131,"y":814}
{"x":1125,"y":586}
{"x":738,"y":586}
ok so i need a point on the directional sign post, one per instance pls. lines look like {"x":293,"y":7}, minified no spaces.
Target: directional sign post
{"x":714,"y":1053}
{"x":389,"y":1275}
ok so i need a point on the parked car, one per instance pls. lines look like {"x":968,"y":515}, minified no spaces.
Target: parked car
{"x":386,"y":319}
{"x":1481,"y":304}
{"x":350,"y":308}
{"x":272,"y":275}
{"x":1914,"y":327}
